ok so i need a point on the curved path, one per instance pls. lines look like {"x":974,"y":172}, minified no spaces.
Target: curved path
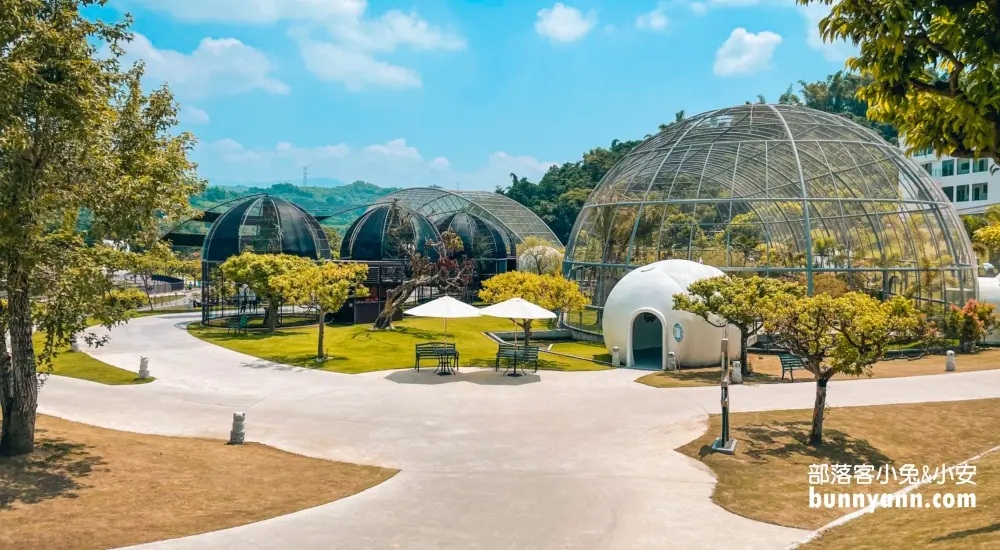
{"x":557,"y":460}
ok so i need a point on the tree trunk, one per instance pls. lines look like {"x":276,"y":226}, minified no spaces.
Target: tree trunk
{"x":6,"y":379}
{"x":322,"y":326}
{"x":526,"y":325}
{"x":19,"y":417}
{"x":744,"y":354}
{"x":393,"y":302}
{"x":271,"y":314}
{"x":816,"y":435}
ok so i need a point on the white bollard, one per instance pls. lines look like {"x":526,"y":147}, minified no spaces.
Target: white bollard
{"x":671,"y":361}
{"x":238,"y":433}
{"x":616,"y":357}
{"x":949,"y":363}
{"x":74,"y":346}
{"x":736,"y":373}
{"x":143,"y":368}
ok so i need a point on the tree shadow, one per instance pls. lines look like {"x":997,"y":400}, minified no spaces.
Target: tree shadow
{"x":54,"y":470}
{"x":984,"y":530}
{"x":784,"y":440}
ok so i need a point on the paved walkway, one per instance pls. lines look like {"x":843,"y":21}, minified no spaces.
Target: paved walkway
{"x":558,"y":460}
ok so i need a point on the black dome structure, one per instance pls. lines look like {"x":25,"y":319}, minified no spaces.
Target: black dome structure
{"x":265,"y":225}
{"x":384,"y":232}
{"x":488,"y":245}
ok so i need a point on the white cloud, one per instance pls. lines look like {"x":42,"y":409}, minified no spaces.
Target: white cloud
{"x":256,"y":11}
{"x":561,"y":23}
{"x":355,"y":70}
{"x":745,"y":53}
{"x":218,"y":66}
{"x":393,"y":29}
{"x":655,"y":20}
{"x":393,"y":163}
{"x":191,"y":115}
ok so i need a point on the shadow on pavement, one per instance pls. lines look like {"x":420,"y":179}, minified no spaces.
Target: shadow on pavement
{"x":485,"y":377}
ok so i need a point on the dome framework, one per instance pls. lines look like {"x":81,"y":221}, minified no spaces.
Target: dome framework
{"x":775,"y":190}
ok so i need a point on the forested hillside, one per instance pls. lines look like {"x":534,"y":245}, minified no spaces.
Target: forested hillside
{"x":558,"y":197}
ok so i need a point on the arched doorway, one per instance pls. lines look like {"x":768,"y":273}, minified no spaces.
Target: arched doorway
{"x":647,"y":341}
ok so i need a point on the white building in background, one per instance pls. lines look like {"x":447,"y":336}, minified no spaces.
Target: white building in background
{"x":966,"y":182}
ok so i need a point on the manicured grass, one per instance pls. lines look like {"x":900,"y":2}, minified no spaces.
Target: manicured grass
{"x":767,"y":370}
{"x":356,"y":348}
{"x":584,"y":350}
{"x":80,"y":365}
{"x":164,"y":311}
{"x":909,"y":528}
{"x":767,"y":479}
{"x":91,"y":488}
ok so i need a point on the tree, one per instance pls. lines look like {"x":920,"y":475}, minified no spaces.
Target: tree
{"x":740,"y":302}
{"x":680,"y":233}
{"x":323,"y":287}
{"x":839,"y":335}
{"x":442,"y":271}
{"x":335,"y":239}
{"x":969,"y":324}
{"x":552,"y":292}
{"x":933,"y":65}
{"x":745,"y":233}
{"x":539,"y":256}
{"x":259,"y":272}
{"x":78,"y":134}
{"x":158,"y":259}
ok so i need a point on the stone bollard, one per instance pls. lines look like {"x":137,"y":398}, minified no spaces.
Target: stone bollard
{"x":616,"y":357}
{"x":74,"y":345}
{"x":949,"y":363}
{"x":671,"y":361}
{"x":143,"y":368}
{"x":736,"y":373}
{"x":239,"y":430}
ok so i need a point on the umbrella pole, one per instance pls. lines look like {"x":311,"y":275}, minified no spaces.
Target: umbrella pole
{"x":445,"y":329}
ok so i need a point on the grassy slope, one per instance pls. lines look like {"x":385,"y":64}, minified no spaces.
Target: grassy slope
{"x":82,"y":366}
{"x":767,"y":478}
{"x":355,"y":349}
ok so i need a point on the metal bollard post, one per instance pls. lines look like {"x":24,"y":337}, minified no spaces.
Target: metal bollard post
{"x":143,"y":367}
{"x":949,"y":363}
{"x":238,"y":433}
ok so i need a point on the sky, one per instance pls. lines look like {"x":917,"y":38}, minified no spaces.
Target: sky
{"x":456,"y":93}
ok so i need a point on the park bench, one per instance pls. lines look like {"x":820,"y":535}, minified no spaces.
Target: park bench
{"x":239,"y":324}
{"x":438,"y":351}
{"x":790,"y":363}
{"x":523,"y":355}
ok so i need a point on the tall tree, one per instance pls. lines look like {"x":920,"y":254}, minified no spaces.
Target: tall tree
{"x":551,"y":292}
{"x":741,"y":302}
{"x":76,"y":134}
{"x":845,"y":335}
{"x":324,"y":288}
{"x":934,"y":67}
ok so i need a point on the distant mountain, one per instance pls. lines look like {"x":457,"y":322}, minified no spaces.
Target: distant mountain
{"x":312,"y":182}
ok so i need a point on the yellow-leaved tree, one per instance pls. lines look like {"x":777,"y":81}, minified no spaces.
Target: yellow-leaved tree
{"x":552,"y":292}
{"x":324,"y":288}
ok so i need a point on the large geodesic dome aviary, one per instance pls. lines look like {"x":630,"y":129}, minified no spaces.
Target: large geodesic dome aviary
{"x":779,"y":190}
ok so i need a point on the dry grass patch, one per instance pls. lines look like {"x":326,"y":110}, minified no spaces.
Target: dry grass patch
{"x":940,"y":529}
{"x":88,"y":487}
{"x":767,"y":370}
{"x":767,"y":478}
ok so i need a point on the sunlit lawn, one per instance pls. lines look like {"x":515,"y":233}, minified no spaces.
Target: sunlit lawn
{"x":767,"y":479}
{"x":80,"y":365}
{"x":356,"y":348}
{"x":587,"y":350}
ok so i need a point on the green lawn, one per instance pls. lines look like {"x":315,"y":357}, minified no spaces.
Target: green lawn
{"x":586,"y":350}
{"x":82,"y":366}
{"x":164,"y":311}
{"x":354,"y":349}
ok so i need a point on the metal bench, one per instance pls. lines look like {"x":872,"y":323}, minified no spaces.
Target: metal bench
{"x":438,"y":351}
{"x":522,"y":355}
{"x":239,"y":324}
{"x":790,"y":363}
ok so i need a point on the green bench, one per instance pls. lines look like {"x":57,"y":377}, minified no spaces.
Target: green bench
{"x":239,"y":324}
{"x":440,"y":352}
{"x":522,"y":354}
{"x":790,"y":363}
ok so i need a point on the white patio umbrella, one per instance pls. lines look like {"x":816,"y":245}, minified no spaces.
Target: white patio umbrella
{"x":517,"y":308}
{"x":445,"y":308}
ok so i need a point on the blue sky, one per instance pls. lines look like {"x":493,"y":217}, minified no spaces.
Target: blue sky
{"x":448,"y":92}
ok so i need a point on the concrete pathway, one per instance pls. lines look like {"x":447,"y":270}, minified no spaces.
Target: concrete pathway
{"x":554,"y":460}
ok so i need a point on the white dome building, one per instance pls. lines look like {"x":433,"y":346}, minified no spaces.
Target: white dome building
{"x":639,"y":318}
{"x":989,"y":293}
{"x":540,"y":259}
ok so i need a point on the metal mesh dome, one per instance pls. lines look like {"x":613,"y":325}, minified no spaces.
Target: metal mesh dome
{"x":778,"y":190}
{"x":380,"y":232}
{"x":265,"y":225}
{"x":437,"y":204}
